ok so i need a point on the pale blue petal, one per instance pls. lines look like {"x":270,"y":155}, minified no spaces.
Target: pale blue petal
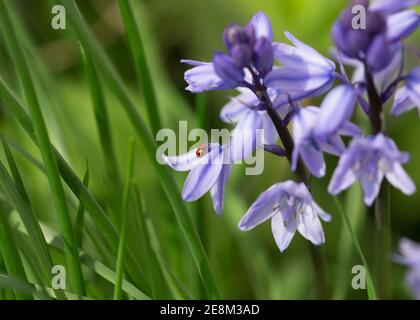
{"x":310,"y":227}
{"x":218,"y":189}
{"x":202,"y":77}
{"x":403,"y":102}
{"x":283,"y":234}
{"x":238,"y":106}
{"x":246,"y":136}
{"x":203,"y":177}
{"x":189,"y":160}
{"x":262,"y":208}
{"x":400,"y":179}
{"x":336,"y":109}
{"x":314,"y":160}
{"x":402,"y":24}
{"x":296,"y":81}
{"x":371,"y":184}
{"x":343,"y":176}
{"x":262,"y":26}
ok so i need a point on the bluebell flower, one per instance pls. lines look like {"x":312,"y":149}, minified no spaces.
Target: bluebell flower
{"x":290,"y":207}
{"x":240,"y":107}
{"x":378,"y":43}
{"x":309,"y":145}
{"x":409,"y":255}
{"x":209,"y":167}
{"x":408,"y":96}
{"x":393,"y":6}
{"x":304,"y":72}
{"x":247,"y":46}
{"x":369,"y":160}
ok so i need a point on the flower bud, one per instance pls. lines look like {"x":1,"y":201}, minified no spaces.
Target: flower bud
{"x":242,"y":54}
{"x":226,"y":68}
{"x":234,"y":34}
{"x":263,"y":56}
{"x":379,"y":54}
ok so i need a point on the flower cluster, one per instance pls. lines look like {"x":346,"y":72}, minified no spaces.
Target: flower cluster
{"x":273,"y":79}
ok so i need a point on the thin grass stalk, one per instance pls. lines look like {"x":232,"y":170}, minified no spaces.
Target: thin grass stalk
{"x":370,"y":285}
{"x":69,"y":176}
{"x":58,"y":197}
{"x":168,"y":184}
{"x":10,"y":252}
{"x":102,"y":119}
{"x":123,"y":233}
{"x":140,"y":61}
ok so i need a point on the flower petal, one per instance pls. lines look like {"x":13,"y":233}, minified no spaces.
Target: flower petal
{"x":402,"y":102}
{"x":336,"y":109}
{"x":238,"y":107}
{"x":310,"y":227}
{"x":262,"y":208}
{"x":203,"y":177}
{"x":371,"y":184}
{"x":203,"y":77}
{"x":400,"y":179}
{"x":282,"y":233}
{"x":189,"y":160}
{"x":246,"y":136}
{"x":402,"y":24}
{"x":218,"y":189}
{"x":262,"y":26}
{"x":343,"y":176}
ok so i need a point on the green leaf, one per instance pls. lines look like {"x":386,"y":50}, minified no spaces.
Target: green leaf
{"x":169,"y":186}
{"x":370,"y":286}
{"x":140,"y":61}
{"x":123,"y":233}
{"x":57,"y":191}
{"x":9,"y":251}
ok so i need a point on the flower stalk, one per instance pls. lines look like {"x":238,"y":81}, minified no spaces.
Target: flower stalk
{"x":382,"y":203}
{"x":316,"y":253}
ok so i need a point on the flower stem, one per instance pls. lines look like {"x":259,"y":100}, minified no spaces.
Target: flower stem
{"x":317,"y":254}
{"x":382,"y":203}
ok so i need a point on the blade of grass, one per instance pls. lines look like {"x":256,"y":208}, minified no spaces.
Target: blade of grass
{"x":168,"y":184}
{"x":29,"y":220}
{"x":345,"y":250}
{"x":102,"y":119}
{"x":154,"y":269}
{"x":140,"y":62}
{"x":10,"y":251}
{"x":370,"y":286}
{"x":123,"y":233}
{"x":57,"y":191}
{"x":72,"y":180}
{"x":80,"y":216}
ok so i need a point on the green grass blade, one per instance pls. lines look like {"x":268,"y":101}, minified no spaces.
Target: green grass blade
{"x":140,"y":61}
{"x":102,"y":119}
{"x":69,"y":176}
{"x":123,"y":233}
{"x":10,"y":252}
{"x":80,"y":216}
{"x":370,"y":286}
{"x":168,"y":184}
{"x":58,"y":197}
{"x":345,"y":250}
{"x":103,"y":271}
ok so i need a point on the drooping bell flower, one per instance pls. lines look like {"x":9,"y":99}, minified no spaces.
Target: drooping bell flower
{"x":408,"y":96}
{"x":291,"y":208}
{"x":209,"y":169}
{"x":369,"y":160}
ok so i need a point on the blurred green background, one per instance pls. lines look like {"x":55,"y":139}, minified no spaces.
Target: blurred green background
{"x":247,"y":265}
